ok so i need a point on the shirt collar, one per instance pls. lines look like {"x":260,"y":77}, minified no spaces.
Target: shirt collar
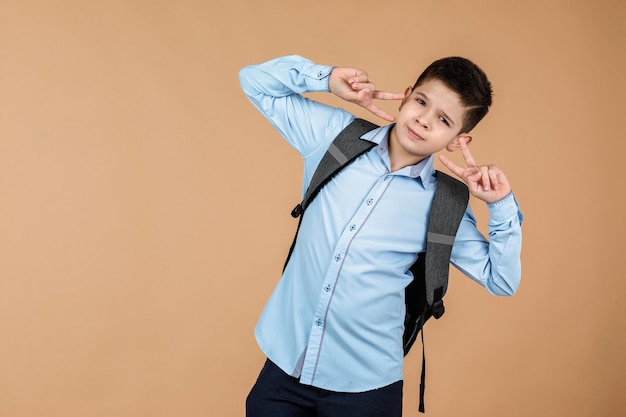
{"x":424,"y":170}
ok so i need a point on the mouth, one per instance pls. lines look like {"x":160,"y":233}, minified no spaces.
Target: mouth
{"x":414,"y":134}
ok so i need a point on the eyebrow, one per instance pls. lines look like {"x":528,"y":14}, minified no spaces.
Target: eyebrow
{"x":448,"y":118}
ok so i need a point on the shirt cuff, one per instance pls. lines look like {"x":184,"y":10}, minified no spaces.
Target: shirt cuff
{"x":317,"y":78}
{"x":505,"y":208}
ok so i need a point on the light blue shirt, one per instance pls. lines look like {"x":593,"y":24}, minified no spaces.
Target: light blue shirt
{"x":336,"y":317}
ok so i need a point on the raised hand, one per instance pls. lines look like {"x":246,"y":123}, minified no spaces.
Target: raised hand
{"x":354,"y":85}
{"x":486,"y":182}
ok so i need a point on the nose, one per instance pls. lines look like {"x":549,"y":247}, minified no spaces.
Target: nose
{"x":424,"y":120}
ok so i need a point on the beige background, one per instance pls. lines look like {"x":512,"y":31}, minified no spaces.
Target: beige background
{"x":144,"y":204}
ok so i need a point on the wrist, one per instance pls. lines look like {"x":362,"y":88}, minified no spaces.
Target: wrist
{"x":332,"y":80}
{"x":501,"y":199}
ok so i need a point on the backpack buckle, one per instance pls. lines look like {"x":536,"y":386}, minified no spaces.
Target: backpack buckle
{"x":297,"y":211}
{"x":438,"y":309}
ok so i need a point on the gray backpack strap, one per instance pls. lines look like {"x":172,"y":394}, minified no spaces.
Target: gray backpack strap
{"x":449,"y":206}
{"x":346,"y":147}
{"x":424,"y":295}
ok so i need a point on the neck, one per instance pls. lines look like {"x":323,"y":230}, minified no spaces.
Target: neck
{"x":398,"y":157}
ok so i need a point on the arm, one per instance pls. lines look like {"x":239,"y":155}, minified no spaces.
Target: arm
{"x":275,"y":89}
{"x":494,"y":263}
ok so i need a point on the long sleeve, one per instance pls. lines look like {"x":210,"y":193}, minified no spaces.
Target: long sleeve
{"x":275,"y":88}
{"x":494,"y":263}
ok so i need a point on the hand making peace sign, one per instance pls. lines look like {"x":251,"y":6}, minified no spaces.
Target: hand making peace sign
{"x":486,"y":182}
{"x":354,"y":85}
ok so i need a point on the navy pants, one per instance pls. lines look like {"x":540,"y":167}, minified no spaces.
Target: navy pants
{"x":276,"y":394}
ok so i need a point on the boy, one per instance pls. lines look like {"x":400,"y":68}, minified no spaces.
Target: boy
{"x":332,"y":329}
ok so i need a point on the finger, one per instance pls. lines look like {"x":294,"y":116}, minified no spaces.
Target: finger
{"x":452,"y":166}
{"x":383,"y":95}
{"x":494,"y":173}
{"x":363,"y":86}
{"x":381,"y":113}
{"x":485,"y":180}
{"x":360,"y":76}
{"x":467,"y":155}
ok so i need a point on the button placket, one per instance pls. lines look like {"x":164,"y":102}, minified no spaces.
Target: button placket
{"x":323,"y":311}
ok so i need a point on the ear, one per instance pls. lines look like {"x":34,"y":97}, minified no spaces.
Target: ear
{"x":455,"y":145}
{"x":407,"y":93}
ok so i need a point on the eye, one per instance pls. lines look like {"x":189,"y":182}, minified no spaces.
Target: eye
{"x":420,"y":101}
{"x":444,"y":121}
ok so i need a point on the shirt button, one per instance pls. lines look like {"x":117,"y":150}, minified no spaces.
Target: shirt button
{"x":370,"y":201}
{"x":338,"y":257}
{"x":352,"y":227}
{"x":318,"y":322}
{"x":327,"y":288}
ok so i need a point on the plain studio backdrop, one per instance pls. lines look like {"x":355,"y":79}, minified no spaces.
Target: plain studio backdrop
{"x":144,"y":203}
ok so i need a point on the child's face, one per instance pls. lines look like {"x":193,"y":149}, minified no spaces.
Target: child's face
{"x":430,"y":119}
